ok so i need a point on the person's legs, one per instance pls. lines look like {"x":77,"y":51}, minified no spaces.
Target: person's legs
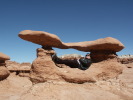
{"x":71,"y":63}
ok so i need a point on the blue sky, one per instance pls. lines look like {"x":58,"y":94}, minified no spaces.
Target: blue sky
{"x":70,"y":20}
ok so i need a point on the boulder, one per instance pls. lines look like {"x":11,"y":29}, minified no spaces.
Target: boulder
{"x":4,"y":73}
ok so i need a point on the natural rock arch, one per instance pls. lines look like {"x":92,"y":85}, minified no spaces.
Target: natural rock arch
{"x":103,"y":53}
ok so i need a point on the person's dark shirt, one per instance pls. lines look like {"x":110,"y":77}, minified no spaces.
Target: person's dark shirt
{"x":85,"y":63}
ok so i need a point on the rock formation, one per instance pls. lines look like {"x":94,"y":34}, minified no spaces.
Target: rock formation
{"x":101,"y":49}
{"x":42,"y":38}
{"x":21,"y":69}
{"x":125,"y":59}
{"x":103,"y":54}
{"x":4,"y":73}
{"x":43,"y":68}
{"x":51,"y":40}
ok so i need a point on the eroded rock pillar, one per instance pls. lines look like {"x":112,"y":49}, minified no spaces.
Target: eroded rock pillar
{"x":105,"y":64}
{"x":43,"y":68}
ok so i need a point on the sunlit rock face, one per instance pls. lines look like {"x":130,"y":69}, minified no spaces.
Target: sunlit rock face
{"x":42,"y":38}
{"x":51,"y":40}
{"x":102,"y":51}
{"x":43,"y":68}
{"x":4,"y":73}
{"x":108,"y":43}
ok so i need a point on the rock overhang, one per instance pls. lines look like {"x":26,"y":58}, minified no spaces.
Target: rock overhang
{"x":42,"y":38}
{"x":48,"y":39}
{"x":101,"y":49}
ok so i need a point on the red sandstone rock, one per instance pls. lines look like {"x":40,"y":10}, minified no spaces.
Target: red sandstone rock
{"x":20,"y":88}
{"x":108,"y":43}
{"x":103,"y":51}
{"x":47,"y":39}
{"x":4,"y":57}
{"x":42,"y":38}
{"x":43,"y":68}
{"x":4,"y":73}
{"x":97,"y":71}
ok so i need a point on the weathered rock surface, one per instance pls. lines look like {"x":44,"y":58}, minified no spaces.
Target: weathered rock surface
{"x":97,"y":56}
{"x":108,"y":43}
{"x":103,"y":70}
{"x":43,"y":68}
{"x":21,"y":88}
{"x":42,"y":38}
{"x":15,"y":66}
{"x":4,"y":73}
{"x":21,"y":69}
{"x":125,"y":59}
{"x":47,"y":39}
{"x":4,"y":57}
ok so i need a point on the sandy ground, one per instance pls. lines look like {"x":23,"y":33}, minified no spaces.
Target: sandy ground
{"x":21,"y":88}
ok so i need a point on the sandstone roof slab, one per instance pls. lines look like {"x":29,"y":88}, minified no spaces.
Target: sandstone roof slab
{"x":42,"y":38}
{"x":51,"y":40}
{"x":104,"y":44}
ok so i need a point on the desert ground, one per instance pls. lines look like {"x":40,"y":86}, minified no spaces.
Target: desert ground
{"x":18,"y":86}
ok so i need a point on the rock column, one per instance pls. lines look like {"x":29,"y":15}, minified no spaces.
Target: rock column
{"x":43,"y":68}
